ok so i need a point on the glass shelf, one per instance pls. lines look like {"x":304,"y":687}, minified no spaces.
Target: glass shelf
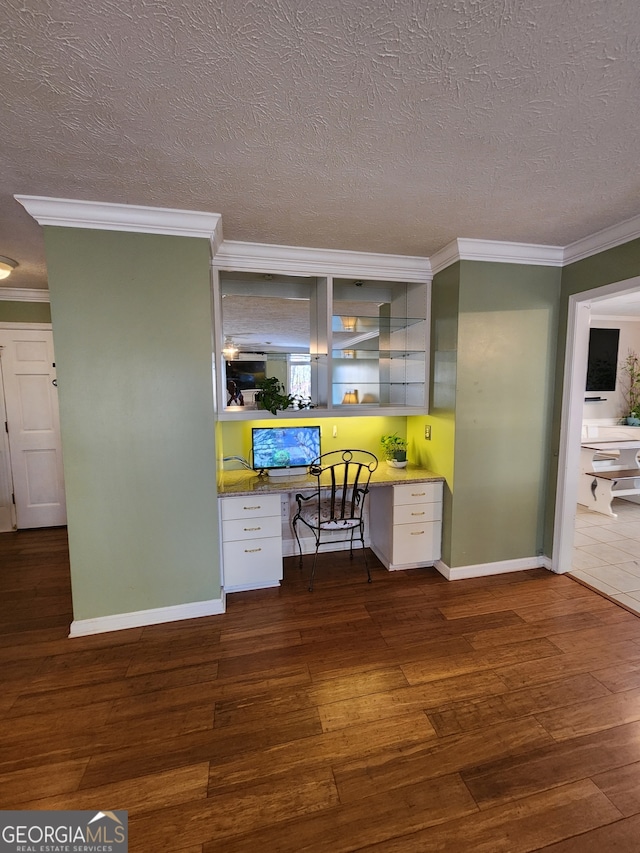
{"x":354,"y":325}
{"x":323,"y":338}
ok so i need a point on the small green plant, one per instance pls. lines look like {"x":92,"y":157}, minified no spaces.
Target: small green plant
{"x":630,"y":380}
{"x":394,"y":447}
{"x":272,"y":395}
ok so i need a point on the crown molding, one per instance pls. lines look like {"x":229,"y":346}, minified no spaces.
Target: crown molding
{"x":105,"y":216}
{"x":297,"y":260}
{"x":608,"y":238}
{"x":469,"y":249}
{"x":23,"y":294}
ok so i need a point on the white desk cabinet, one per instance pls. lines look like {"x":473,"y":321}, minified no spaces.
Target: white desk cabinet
{"x":251,"y":542}
{"x":405,"y":524}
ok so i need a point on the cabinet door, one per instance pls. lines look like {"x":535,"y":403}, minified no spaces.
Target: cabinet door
{"x":416,"y":543}
{"x":252,"y":564}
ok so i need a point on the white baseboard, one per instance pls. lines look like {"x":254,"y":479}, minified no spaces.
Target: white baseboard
{"x":140,"y":618}
{"x":482,"y":570}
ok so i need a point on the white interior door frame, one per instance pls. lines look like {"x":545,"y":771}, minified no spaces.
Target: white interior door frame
{"x":7,"y":505}
{"x":576,"y":352}
{"x":33,"y":424}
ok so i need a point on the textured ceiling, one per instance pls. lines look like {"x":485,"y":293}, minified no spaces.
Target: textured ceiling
{"x":376,"y":125}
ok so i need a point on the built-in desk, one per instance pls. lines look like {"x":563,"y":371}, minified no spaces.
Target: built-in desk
{"x":404,"y":528}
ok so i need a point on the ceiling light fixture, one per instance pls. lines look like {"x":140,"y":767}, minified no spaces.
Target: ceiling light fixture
{"x":7,"y":266}
{"x":229,"y":350}
{"x":349,"y":323}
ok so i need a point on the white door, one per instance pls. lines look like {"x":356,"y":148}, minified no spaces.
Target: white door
{"x":7,"y":509}
{"x":31,"y":398}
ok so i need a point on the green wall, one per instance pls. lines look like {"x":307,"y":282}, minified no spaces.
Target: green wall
{"x":492,"y":416}
{"x":132,"y":333}
{"x":617,"y":264}
{"x":24,"y":312}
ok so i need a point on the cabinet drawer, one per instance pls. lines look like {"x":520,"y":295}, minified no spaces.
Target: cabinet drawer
{"x":417,"y":493}
{"x":252,"y":563}
{"x":250,"y":528}
{"x":410,"y":513}
{"x":417,"y":543}
{"x":250,"y":506}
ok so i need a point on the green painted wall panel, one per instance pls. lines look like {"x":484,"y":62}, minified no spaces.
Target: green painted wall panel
{"x":132,"y":334}
{"x":439,"y":457}
{"x":24,"y":312}
{"x":507,"y":331}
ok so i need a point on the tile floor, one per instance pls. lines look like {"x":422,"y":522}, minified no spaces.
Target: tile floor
{"x":606,"y":552}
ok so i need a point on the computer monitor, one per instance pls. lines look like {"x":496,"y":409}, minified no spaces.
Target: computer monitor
{"x":284,"y":451}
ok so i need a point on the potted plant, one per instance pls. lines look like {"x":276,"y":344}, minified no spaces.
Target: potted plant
{"x":631,"y":387}
{"x":394,"y":449}
{"x":272,"y":395}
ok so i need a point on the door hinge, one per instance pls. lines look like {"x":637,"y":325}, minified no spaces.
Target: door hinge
{"x":13,"y":499}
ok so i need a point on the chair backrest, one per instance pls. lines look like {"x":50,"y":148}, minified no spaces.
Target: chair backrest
{"x":343,"y":478}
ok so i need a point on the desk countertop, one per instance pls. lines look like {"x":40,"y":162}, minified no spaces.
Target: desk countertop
{"x":249,"y":483}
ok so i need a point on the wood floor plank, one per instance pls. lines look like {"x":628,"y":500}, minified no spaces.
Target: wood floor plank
{"x":240,"y":811}
{"x":536,"y":821}
{"x":118,"y":688}
{"x":142,"y":794}
{"x":621,"y":676}
{"x":495,"y":714}
{"x":479,"y":712}
{"x":523,"y":631}
{"x":22,"y":786}
{"x":360,"y":742}
{"x":622,"y":786}
{"x":603,"y":712}
{"x":385,"y":771}
{"x":273,"y":702}
{"x":144,"y":757}
{"x":361,"y":823}
{"x":535,"y":651}
{"x":621,"y":836}
{"x":574,"y":662}
{"x":552,"y":765}
{"x":385,"y":704}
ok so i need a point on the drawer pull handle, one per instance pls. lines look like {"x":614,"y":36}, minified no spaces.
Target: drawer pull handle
{"x":252,"y":550}
{"x":418,"y":494}
{"x":251,"y":507}
{"x":247,"y":529}
{"x":417,"y":532}
{"x":417,"y":513}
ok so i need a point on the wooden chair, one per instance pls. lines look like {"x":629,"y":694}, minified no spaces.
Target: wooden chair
{"x":334,"y":512}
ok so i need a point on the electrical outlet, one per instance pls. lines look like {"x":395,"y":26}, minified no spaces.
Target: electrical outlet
{"x":427,"y":432}
{"x":284,"y":508}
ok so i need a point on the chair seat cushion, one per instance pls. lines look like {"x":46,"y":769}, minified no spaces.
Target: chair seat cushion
{"x":309,"y":514}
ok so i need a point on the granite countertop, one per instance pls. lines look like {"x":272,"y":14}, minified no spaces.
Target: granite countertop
{"x":249,"y":483}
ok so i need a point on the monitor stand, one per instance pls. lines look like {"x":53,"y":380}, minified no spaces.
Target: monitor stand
{"x":287,"y":472}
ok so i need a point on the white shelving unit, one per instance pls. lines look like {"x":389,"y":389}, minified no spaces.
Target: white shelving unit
{"x":366,"y":341}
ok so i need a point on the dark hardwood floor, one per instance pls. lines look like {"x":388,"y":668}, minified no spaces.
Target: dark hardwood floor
{"x":410,"y":714}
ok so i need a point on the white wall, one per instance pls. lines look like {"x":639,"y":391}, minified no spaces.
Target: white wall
{"x":613,"y":408}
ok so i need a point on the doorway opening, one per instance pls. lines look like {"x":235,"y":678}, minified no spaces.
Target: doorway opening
{"x":584,"y":309}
